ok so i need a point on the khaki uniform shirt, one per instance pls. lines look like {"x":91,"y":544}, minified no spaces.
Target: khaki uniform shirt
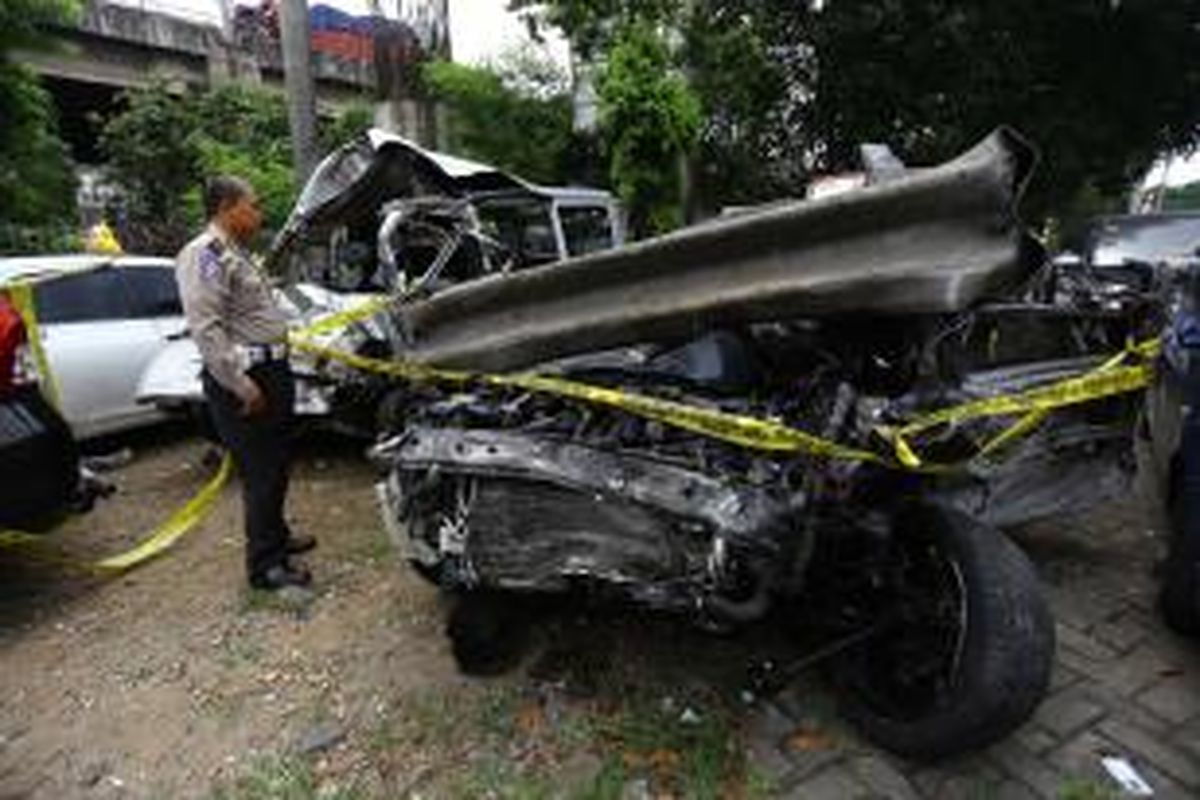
{"x":228,"y":302}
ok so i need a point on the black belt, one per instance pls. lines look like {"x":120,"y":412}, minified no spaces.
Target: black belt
{"x":252,"y":355}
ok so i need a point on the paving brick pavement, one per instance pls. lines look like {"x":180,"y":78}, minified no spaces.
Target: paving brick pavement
{"x":1122,"y":686}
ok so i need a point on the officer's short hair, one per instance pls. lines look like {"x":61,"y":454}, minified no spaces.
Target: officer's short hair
{"x":221,"y":190}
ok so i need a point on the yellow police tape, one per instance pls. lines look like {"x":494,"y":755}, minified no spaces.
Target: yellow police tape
{"x":161,"y":538}
{"x":1109,"y":379}
{"x":156,"y":542}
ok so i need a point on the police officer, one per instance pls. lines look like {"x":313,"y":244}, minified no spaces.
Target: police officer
{"x":242,"y":336}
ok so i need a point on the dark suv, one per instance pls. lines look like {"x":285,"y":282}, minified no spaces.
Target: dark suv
{"x":1173,"y":432}
{"x":40,"y":476}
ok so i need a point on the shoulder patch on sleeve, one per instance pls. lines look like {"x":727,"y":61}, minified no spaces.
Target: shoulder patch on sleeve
{"x":210,"y":261}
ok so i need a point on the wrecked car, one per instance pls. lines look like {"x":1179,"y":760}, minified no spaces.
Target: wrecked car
{"x":738,"y":422}
{"x":42,"y":478}
{"x":1171,"y":433}
{"x":384,"y":217}
{"x":1126,"y":257}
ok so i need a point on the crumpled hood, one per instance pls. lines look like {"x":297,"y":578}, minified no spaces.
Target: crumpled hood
{"x":373,"y":168}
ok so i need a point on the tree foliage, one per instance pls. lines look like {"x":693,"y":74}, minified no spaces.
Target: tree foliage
{"x":524,"y":128}
{"x":593,"y":25}
{"x":1183,"y":198}
{"x":1100,"y":86}
{"x":737,"y":57}
{"x":350,"y":122}
{"x":164,"y":143}
{"x":22,"y":21}
{"x":741,"y":60}
{"x":649,"y":119}
{"x":152,"y":154}
{"x":37,"y":184}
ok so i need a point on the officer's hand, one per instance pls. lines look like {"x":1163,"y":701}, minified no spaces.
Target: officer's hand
{"x":254,"y":402}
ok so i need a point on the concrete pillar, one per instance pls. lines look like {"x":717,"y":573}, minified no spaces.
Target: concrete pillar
{"x":228,"y":64}
{"x":399,"y":116}
{"x":441,"y":133}
{"x":298,"y":79}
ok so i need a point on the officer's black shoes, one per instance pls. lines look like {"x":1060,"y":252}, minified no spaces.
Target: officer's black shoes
{"x":300,"y":544}
{"x":281,"y":576}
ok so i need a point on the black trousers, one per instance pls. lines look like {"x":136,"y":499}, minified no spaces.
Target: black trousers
{"x":261,"y":449}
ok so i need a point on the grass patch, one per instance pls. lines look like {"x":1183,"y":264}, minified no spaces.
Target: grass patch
{"x":608,"y":783}
{"x":292,"y":600}
{"x":693,"y":753}
{"x":372,"y":547}
{"x":505,"y":741}
{"x":238,"y":650}
{"x":496,"y":777}
{"x":277,"y":778}
{"x":1084,"y":789}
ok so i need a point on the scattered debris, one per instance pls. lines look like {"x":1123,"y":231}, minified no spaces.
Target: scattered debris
{"x":1121,"y":771}
{"x":319,"y":738}
{"x":108,"y":462}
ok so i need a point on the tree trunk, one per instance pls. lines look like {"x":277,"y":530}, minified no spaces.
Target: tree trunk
{"x":298,"y":78}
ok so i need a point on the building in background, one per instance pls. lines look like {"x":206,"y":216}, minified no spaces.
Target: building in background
{"x":122,"y":44}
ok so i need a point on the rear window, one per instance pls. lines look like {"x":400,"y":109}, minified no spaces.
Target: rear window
{"x":525,"y":228}
{"x":586,"y":229}
{"x":86,"y":297}
{"x":152,"y":291}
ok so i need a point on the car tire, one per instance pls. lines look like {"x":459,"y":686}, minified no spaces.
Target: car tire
{"x":391,"y":411}
{"x":998,"y":667}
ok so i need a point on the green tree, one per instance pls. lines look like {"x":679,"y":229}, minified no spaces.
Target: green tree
{"x":37,"y":184}
{"x":1100,"y":86}
{"x":22,"y":21}
{"x":244,"y":131}
{"x":1183,"y":198}
{"x":526,"y":131}
{"x":593,"y":25}
{"x":163,"y":144}
{"x":649,"y":119}
{"x":742,"y":59}
{"x":151,"y":151}
{"x":748,"y":151}
{"x":350,"y":121}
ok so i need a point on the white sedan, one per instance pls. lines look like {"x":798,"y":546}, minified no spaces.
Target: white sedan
{"x":325,"y":390}
{"x":103,"y":320}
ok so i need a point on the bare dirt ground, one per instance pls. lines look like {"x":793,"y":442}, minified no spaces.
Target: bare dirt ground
{"x":174,"y":681}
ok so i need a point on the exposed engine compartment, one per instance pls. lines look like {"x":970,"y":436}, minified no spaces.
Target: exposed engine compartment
{"x":766,"y":412}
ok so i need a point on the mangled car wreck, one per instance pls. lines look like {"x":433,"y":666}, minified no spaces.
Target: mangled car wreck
{"x":382,"y":216}
{"x":739,"y":420}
